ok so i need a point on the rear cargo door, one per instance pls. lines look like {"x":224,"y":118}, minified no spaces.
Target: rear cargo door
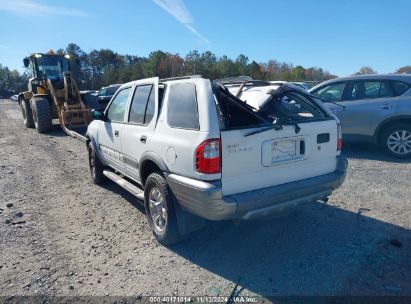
{"x":275,"y":157}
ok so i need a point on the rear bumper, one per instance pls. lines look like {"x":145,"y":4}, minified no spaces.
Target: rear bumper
{"x":206,"y":200}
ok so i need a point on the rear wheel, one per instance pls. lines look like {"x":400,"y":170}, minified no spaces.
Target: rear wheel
{"x":42,"y":114}
{"x":160,"y":211}
{"x":396,"y":140}
{"x":27,"y":113}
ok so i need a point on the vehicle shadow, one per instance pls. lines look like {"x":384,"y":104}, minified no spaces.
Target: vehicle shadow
{"x":368,"y":151}
{"x":136,"y":203}
{"x":319,"y":250}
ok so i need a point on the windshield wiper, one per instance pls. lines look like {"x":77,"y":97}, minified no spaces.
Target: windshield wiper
{"x":275,"y":126}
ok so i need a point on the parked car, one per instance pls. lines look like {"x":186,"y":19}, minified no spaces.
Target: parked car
{"x":14,"y":97}
{"x":105,"y":93}
{"x":192,"y":151}
{"x":99,"y":99}
{"x":372,"y":108}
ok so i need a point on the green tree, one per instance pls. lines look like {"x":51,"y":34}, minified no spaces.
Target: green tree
{"x":151,"y":67}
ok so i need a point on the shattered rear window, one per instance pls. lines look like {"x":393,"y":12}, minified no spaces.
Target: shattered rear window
{"x":291,"y":106}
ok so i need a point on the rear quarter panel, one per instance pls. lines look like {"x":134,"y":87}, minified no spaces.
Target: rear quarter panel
{"x":176,"y":146}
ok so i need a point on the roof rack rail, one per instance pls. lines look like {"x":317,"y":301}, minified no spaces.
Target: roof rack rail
{"x":180,"y":78}
{"x":242,"y":80}
{"x":239,"y":79}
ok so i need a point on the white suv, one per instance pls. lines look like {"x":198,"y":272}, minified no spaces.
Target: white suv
{"x":191,"y":150}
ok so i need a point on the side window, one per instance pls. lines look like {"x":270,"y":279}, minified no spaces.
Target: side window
{"x":182,"y":106}
{"x":141,"y":97}
{"x":399,"y":87}
{"x":385,"y":90}
{"x":370,"y":90}
{"x":117,"y":108}
{"x":332,"y":92}
{"x":150,"y":108}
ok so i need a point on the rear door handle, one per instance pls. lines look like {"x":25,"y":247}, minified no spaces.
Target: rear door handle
{"x":116,"y":133}
{"x":143,"y":139}
{"x":385,"y":106}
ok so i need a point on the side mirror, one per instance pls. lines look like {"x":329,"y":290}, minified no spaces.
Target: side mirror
{"x":97,"y":115}
{"x":26,"y":62}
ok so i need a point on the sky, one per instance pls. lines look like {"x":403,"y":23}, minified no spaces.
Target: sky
{"x":340,"y":36}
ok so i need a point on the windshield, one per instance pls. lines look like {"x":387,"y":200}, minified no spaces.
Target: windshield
{"x":102,"y":92}
{"x":52,"y":67}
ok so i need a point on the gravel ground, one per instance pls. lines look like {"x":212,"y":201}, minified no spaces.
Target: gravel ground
{"x":62,"y":235}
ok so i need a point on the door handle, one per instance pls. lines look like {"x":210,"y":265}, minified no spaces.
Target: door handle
{"x":385,"y":107}
{"x":143,"y":139}
{"x":116,"y":133}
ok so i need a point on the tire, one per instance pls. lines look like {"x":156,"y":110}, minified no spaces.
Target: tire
{"x":96,"y":166}
{"x":396,"y":141}
{"x":42,"y":114}
{"x":27,"y":113}
{"x":165,"y":228}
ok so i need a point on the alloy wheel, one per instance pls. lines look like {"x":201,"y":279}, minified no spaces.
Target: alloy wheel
{"x":399,"y":142}
{"x":158,"y":210}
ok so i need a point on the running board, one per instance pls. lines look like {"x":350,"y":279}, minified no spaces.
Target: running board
{"x":136,"y":191}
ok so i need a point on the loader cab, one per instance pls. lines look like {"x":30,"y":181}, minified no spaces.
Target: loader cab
{"x":48,"y":66}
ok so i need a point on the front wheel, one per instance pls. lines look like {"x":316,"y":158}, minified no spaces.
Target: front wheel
{"x":42,"y":114}
{"x":95,"y":165}
{"x":396,"y":140}
{"x":160,"y":211}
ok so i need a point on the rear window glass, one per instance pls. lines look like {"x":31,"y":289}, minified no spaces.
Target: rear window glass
{"x":399,"y":87}
{"x":291,"y":107}
{"x":150,"y":108}
{"x":385,"y":90}
{"x":139,"y":103}
{"x":182,"y":106}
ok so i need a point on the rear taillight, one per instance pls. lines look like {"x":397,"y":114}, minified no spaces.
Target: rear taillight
{"x":208,"y":156}
{"x":339,"y":140}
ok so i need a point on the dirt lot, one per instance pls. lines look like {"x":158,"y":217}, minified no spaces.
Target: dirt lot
{"x":62,"y":235}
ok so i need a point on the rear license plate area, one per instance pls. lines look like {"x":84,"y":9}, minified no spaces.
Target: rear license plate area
{"x":282,"y":150}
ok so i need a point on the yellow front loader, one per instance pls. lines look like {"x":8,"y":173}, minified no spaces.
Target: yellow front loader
{"x":52,"y":94}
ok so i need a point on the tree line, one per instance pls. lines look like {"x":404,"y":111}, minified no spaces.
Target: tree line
{"x":103,"y":67}
{"x":11,"y":82}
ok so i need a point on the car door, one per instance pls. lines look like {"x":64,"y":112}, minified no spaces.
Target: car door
{"x":109,"y":135}
{"x":367,"y":103}
{"x":140,"y":124}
